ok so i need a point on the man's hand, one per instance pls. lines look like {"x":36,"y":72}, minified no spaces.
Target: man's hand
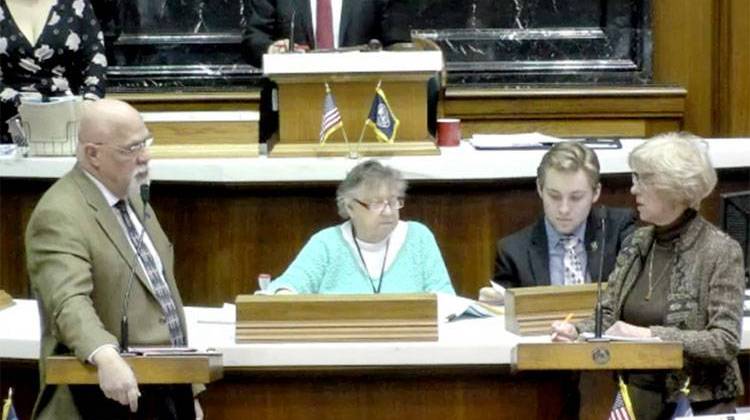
{"x":491,"y":296}
{"x":116,"y":379}
{"x":282,"y":46}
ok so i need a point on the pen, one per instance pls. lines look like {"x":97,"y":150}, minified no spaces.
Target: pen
{"x":568,"y":317}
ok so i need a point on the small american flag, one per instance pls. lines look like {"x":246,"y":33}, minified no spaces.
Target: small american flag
{"x":622,"y":408}
{"x":619,"y":411}
{"x":331,"y":120}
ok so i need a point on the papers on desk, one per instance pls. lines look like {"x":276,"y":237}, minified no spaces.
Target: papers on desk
{"x":534,"y":141}
{"x":513,"y":141}
{"x":7,"y":151}
{"x":588,"y":335}
{"x":736,"y":416}
{"x":162,"y":351}
{"x":453,"y":307}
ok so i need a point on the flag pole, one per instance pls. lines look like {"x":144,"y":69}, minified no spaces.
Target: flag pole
{"x":364,"y":125}
{"x":352,"y":154}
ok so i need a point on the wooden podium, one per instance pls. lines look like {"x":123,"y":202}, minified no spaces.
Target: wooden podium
{"x":352,"y":78}
{"x":318,"y":318}
{"x":531,"y":310}
{"x":203,"y":134}
{"x":608,"y":355}
{"x":198,"y":368}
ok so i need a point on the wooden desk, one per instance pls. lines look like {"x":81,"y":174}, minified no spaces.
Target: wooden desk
{"x":465,"y":375}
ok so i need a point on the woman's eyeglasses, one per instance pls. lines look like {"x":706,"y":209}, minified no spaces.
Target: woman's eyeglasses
{"x":379,"y":206}
{"x":642,"y":180}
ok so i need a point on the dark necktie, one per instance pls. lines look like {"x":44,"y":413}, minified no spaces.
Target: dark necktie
{"x":158,"y":283}
{"x":323,"y":25}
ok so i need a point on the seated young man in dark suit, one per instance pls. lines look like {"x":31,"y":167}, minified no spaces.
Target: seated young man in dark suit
{"x":565,"y":245}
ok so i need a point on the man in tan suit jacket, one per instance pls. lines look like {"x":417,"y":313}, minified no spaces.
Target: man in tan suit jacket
{"x":80,"y":257}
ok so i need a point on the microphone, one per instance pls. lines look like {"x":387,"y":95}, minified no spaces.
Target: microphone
{"x":124,"y":339}
{"x":374,"y":45}
{"x":598,"y":309}
{"x":290,"y":47}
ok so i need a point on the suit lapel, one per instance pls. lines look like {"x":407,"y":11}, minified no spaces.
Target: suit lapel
{"x":347,"y":11}
{"x":107,"y":221}
{"x":305,"y":17}
{"x":593,"y":246}
{"x":539,"y":255}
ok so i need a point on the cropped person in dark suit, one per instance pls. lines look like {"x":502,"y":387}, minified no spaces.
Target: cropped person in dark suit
{"x":354,"y":22}
{"x":568,"y":184}
{"x":81,"y":245}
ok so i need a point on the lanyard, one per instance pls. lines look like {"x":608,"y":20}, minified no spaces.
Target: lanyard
{"x":367,"y":272}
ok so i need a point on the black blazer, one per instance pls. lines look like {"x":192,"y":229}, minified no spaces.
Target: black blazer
{"x":269,"y":20}
{"x":523,"y":257}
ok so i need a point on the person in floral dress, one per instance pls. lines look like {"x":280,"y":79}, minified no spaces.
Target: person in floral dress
{"x":48,"y":48}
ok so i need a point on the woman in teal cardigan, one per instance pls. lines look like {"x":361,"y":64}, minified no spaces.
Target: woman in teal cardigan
{"x":372,"y":251}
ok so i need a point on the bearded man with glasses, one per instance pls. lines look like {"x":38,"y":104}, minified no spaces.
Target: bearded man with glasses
{"x":81,"y":245}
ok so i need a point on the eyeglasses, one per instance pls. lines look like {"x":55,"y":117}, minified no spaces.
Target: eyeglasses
{"x":131,"y":149}
{"x":379,"y":206}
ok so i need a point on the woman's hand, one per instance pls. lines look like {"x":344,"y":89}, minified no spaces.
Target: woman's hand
{"x":284,"y":291}
{"x":623,"y":329}
{"x":563,"y":331}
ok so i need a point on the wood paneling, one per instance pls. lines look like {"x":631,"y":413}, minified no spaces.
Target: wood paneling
{"x":301,"y":106}
{"x":429,"y":393}
{"x":239,"y":100}
{"x":733,"y":111}
{"x":422,"y":394}
{"x":225,"y":235}
{"x":633,"y":111}
{"x":684,"y":44}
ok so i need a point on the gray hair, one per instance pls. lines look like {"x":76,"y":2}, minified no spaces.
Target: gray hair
{"x":678,"y":166}
{"x":368,"y":174}
{"x":569,"y":156}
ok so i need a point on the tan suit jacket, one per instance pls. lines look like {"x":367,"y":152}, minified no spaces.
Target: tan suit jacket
{"x":79,"y":261}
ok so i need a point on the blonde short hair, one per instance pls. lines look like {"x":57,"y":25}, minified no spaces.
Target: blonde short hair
{"x":676,"y":164}
{"x":569,"y":156}
{"x":368,"y":174}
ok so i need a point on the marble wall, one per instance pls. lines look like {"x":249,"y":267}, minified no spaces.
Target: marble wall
{"x":186,"y":43}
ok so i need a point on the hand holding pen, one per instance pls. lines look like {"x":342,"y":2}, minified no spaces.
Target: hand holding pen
{"x":564,"y":330}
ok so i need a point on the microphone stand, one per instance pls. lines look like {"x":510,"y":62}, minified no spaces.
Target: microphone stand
{"x":124,"y":339}
{"x":290,"y":47}
{"x":598,"y":315}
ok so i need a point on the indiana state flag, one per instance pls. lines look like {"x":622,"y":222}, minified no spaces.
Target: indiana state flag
{"x":683,"y":408}
{"x":382,"y":119}
{"x":9,"y":413}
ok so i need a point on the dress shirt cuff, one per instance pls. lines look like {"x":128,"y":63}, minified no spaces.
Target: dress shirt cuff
{"x":90,"y":359}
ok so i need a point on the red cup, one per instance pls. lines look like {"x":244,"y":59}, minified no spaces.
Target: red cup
{"x":448,"y":132}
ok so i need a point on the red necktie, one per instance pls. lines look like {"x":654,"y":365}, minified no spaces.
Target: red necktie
{"x":323,"y":25}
